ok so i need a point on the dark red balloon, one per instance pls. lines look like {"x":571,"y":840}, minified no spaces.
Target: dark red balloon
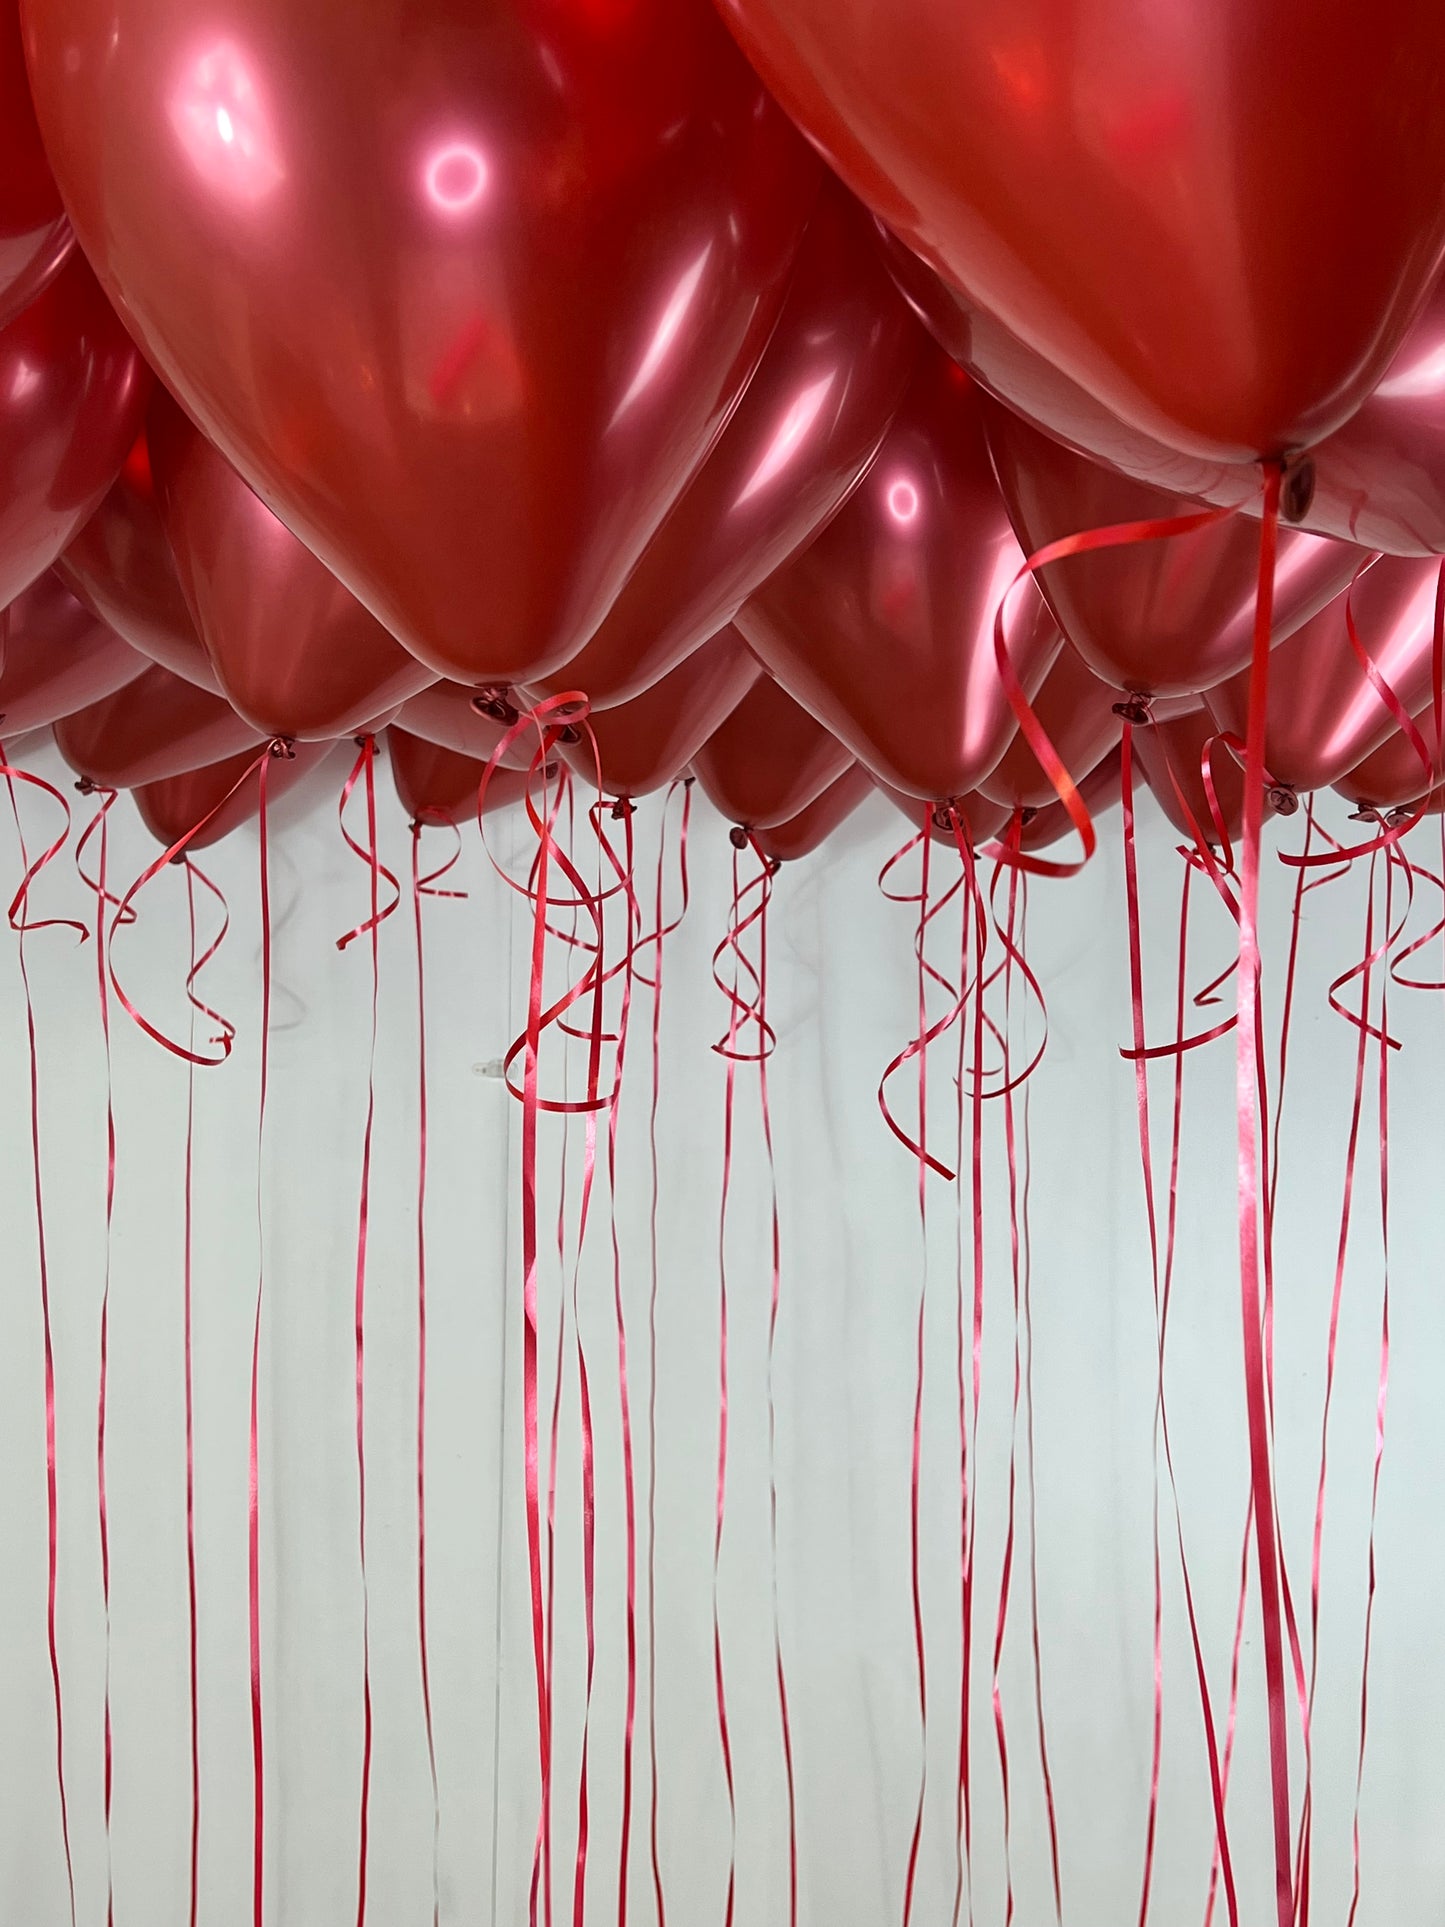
{"x":1079,"y":718}
{"x":72,"y":392}
{"x":294,"y":652}
{"x":1099,"y":792}
{"x":1324,"y":715}
{"x":35,"y":236}
{"x":1396,"y":774}
{"x":157,"y":726}
{"x":651,"y":740}
{"x":1166,"y":617}
{"x":883,"y":627}
{"x":57,"y":658}
{"x":176,"y":804}
{"x":1217,"y":218}
{"x":435,"y":784}
{"x":980,"y":817}
{"x":466,"y":293}
{"x":811,"y":420}
{"x":769,"y":760}
{"x":1169,"y":756}
{"x":121,"y":566}
{"x":811,"y":827}
{"x":446,"y":714}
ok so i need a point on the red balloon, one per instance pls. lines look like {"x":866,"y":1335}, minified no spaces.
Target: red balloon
{"x":803,"y":833}
{"x":435,"y":783}
{"x":156,"y":726}
{"x":175,"y":804}
{"x":811,"y":420}
{"x":883,"y":627}
{"x":35,"y":236}
{"x":294,"y":652}
{"x":769,"y":760}
{"x":1219,"y":220}
{"x":1394,"y":774}
{"x":1079,"y":716}
{"x":72,"y":392}
{"x":979,"y":817}
{"x":447,"y":715}
{"x":1324,"y":715}
{"x":1044,"y":395}
{"x":57,"y":658}
{"x":1170,"y":757}
{"x":466,"y":293}
{"x":1099,"y":792}
{"x":1160,"y":618}
{"x":650,"y":741}
{"x":121,"y":566}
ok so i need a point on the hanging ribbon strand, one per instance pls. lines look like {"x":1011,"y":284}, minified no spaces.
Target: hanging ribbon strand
{"x":253,"y":1483}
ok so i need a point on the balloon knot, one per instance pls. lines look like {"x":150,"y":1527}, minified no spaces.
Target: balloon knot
{"x":87,"y":786}
{"x":283,"y":748}
{"x":943,"y":814}
{"x":1297,"y":489}
{"x":774,"y":863}
{"x":622,"y":807}
{"x":738,"y":837}
{"x":494,"y":702}
{"x":1026,"y":816}
{"x":365,"y":739}
{"x":1367,"y":813}
{"x":1137,"y":709}
{"x":1282,"y":798}
{"x":1400,"y":815}
{"x":568,"y":734}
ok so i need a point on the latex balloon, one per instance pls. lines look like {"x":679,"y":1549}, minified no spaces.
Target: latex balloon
{"x":803,"y":833}
{"x":1167,"y":617}
{"x":466,"y":293}
{"x":176,"y":804}
{"x":883,"y":627}
{"x":58,"y":658}
{"x":1394,"y":774}
{"x":980,"y":817}
{"x":769,"y":760}
{"x":1324,"y":715}
{"x":1160,"y":204}
{"x":1034,"y":388}
{"x":294,"y":652}
{"x":121,"y":566}
{"x":436,"y":784}
{"x":157,"y":726}
{"x":72,"y":392}
{"x":1079,"y":717}
{"x":35,"y":236}
{"x":1170,"y":755}
{"x":1380,"y":480}
{"x":1040,"y":829}
{"x":447,"y":715}
{"x":650,"y":741}
{"x":811,"y":420}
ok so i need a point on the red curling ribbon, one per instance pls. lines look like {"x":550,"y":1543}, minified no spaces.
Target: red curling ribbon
{"x":1435,"y":930}
{"x":662,"y":930}
{"x":1248,"y":1100}
{"x":1382,"y":1392}
{"x":125,"y":915}
{"x":21,"y":924}
{"x":1014,"y":958}
{"x":364,"y":770}
{"x":102,"y":1400}
{"x":1162,"y":1280}
{"x":253,"y":1510}
{"x":1086,"y":542}
{"x":425,"y":886}
{"x":916,"y":1050}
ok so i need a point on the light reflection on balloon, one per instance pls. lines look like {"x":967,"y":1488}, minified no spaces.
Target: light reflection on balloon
{"x":902,"y":501}
{"x":222,"y":123}
{"x":456,"y":177}
{"x":669,"y":323}
{"x":791,"y":435}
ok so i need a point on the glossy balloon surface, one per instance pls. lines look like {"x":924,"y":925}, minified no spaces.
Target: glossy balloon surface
{"x":445,"y":715}
{"x":1167,"y":617}
{"x":1217,"y":217}
{"x":121,"y":566}
{"x":72,"y":392}
{"x":1324,"y":715}
{"x":979,"y":816}
{"x":769,"y":760}
{"x":1169,"y":756}
{"x":35,"y":236}
{"x":294,"y":652}
{"x":465,"y":292}
{"x":822,"y":398}
{"x":1396,"y":773}
{"x":811,"y":827}
{"x":1077,"y":711}
{"x":173,"y":805}
{"x":434,"y":783}
{"x":883,"y":627}
{"x":1040,"y":829}
{"x":646,"y":743}
{"x":157,"y":726}
{"x":57,"y":658}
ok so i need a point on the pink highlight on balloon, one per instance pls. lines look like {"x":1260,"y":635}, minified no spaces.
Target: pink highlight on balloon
{"x":456,"y":177}
{"x":222,"y":122}
{"x":903,"y":501}
{"x":792,"y":434}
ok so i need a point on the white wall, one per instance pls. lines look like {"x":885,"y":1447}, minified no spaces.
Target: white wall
{"x":843,"y":1002}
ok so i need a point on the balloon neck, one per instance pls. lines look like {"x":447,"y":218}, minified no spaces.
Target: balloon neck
{"x":86,"y":786}
{"x":1367,"y":813}
{"x":494,"y":703}
{"x":1282,"y":798}
{"x":738,"y":837}
{"x":1027,"y":815}
{"x":1297,"y":487}
{"x":1137,"y":709}
{"x":622,"y":808}
{"x":283,"y":748}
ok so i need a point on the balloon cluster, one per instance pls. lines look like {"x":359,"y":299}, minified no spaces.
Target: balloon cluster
{"x":533,"y":349}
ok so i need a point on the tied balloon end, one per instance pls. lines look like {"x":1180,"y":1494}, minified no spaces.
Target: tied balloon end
{"x":496,"y":705}
{"x":1297,"y":487}
{"x":1136,"y":709}
{"x":1282,"y":798}
{"x":283,"y":748}
{"x":622,"y":807}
